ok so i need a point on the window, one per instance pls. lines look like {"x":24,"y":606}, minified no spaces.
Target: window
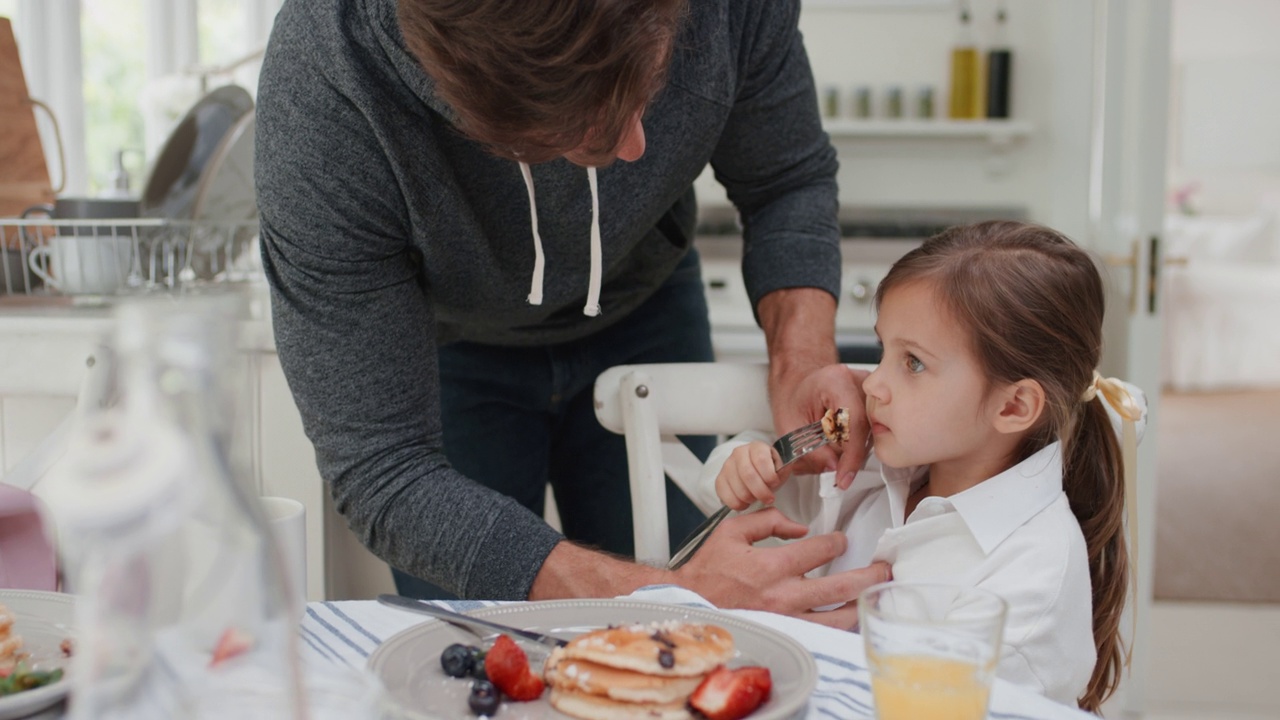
{"x":113,"y":45}
{"x":138,"y":73}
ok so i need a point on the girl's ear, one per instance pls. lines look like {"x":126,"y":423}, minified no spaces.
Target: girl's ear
{"x":1021,"y":405}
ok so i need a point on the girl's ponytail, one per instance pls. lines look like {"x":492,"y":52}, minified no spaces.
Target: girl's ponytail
{"x":1094,"y":485}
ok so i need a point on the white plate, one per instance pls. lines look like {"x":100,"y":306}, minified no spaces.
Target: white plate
{"x":408,"y":663}
{"x":44,"y":620}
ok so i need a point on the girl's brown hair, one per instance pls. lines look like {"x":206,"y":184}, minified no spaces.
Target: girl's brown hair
{"x":1033,"y":302}
{"x":533,"y":79}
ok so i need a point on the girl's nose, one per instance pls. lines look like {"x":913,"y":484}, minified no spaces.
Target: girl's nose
{"x":873,"y":386}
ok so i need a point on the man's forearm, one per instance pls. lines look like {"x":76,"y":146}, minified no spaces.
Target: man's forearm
{"x":799,"y":327}
{"x":575,"y":572}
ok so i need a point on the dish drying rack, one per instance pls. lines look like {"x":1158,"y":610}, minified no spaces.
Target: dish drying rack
{"x":147,"y":255}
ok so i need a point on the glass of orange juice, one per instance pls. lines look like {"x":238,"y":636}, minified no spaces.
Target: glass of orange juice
{"x":932,"y":649}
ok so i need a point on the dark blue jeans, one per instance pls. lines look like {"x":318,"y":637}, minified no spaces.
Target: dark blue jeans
{"x":516,"y":419}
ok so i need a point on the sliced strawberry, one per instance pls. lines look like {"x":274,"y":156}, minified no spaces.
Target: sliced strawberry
{"x":731,"y":694}
{"x":233,"y":642}
{"x":508,"y":667}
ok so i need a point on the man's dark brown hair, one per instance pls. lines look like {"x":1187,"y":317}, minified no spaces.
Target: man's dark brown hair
{"x":534,"y":79}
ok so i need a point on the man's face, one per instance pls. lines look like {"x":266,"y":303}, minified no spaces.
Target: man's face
{"x":630,"y":149}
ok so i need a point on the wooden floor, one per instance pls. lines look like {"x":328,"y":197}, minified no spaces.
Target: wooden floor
{"x":1218,"y":497}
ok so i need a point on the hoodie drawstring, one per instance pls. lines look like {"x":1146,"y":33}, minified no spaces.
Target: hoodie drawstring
{"x":592,"y":308}
{"x":539,"y":261}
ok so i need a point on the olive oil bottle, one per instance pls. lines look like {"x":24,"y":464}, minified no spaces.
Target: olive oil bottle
{"x":966,"y":74}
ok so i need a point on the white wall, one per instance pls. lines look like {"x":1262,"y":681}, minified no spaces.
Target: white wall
{"x":1225,"y":103}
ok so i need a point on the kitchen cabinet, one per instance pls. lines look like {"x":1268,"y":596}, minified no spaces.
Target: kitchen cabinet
{"x":44,"y":351}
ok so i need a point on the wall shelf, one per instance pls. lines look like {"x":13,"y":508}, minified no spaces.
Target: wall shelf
{"x":996,"y":132}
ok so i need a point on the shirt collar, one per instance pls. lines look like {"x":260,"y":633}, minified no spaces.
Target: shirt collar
{"x":997,"y":506}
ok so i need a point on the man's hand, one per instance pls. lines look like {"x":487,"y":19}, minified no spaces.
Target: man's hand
{"x":833,"y":386}
{"x":732,"y":573}
{"x":805,"y":378}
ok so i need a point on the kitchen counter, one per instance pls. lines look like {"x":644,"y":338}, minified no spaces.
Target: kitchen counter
{"x":48,"y":342}
{"x":60,"y":315}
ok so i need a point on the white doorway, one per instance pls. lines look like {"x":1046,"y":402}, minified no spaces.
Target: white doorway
{"x":1214,"y":628}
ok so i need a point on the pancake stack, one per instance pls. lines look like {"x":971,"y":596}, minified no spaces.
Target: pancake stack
{"x":635,"y":672}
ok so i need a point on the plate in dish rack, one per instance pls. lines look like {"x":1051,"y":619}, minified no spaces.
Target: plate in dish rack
{"x":408,"y":663}
{"x":44,"y":620}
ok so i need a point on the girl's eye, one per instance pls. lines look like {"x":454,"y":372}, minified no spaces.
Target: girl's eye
{"x":914,"y":365}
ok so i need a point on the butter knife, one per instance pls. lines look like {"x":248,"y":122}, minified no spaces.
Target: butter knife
{"x":466,"y":622}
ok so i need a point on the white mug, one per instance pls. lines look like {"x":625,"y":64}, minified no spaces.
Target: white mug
{"x":288,"y":520}
{"x":83,"y":264}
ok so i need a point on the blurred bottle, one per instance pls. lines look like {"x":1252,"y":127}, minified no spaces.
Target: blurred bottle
{"x":183,"y":608}
{"x":893,"y":102}
{"x":862,"y":102}
{"x":965,"y":101}
{"x":831,"y":101}
{"x":999,"y":68}
{"x":118,"y":180}
{"x":924,"y":103}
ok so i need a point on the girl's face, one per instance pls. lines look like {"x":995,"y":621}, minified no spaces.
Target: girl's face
{"x":928,"y":402}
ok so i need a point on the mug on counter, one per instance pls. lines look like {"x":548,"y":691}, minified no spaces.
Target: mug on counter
{"x":89,"y":260}
{"x":83,"y":264}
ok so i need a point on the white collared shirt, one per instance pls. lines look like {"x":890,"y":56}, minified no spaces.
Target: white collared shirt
{"x":1013,"y":534}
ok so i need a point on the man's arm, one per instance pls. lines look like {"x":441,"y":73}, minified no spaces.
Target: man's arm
{"x":355,"y":333}
{"x":729,"y":571}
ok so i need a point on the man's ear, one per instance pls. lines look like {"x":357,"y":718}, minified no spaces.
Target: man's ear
{"x":1021,"y":404}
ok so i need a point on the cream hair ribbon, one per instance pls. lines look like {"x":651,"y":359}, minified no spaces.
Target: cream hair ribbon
{"x":1118,"y":397}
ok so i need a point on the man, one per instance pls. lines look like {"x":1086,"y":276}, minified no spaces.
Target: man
{"x":470,"y":208}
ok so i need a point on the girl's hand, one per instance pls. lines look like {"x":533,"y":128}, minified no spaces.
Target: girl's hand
{"x":750,"y":474}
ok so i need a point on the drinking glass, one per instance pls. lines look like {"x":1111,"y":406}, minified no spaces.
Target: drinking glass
{"x":932,"y":649}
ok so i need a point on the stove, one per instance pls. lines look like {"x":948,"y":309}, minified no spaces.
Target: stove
{"x":871,"y":241}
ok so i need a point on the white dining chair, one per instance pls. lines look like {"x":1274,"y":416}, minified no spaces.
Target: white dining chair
{"x":650,"y":405}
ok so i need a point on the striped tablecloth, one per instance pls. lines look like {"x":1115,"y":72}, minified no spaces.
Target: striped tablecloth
{"x":346,"y":633}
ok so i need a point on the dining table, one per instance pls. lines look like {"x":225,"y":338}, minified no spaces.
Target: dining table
{"x":341,"y":642}
{"x":347,"y":633}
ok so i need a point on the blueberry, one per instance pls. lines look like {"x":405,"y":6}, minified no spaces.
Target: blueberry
{"x":484,"y":698}
{"x":477,"y":669}
{"x":456,"y":660}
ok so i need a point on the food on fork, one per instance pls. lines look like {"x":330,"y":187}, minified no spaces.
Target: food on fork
{"x":835,"y":425}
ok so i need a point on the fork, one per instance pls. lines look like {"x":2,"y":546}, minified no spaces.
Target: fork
{"x":791,"y":447}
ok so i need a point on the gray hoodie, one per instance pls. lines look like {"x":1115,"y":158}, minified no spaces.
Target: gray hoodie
{"x":386,"y":233}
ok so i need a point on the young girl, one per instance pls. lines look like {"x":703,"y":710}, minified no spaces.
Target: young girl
{"x":1000,"y":464}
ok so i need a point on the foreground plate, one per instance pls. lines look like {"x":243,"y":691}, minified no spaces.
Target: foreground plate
{"x":44,"y":620}
{"x":408,"y":663}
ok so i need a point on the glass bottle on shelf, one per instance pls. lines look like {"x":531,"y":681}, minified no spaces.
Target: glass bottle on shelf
{"x":999,"y":68}
{"x":183,"y":609}
{"x":966,"y":90}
